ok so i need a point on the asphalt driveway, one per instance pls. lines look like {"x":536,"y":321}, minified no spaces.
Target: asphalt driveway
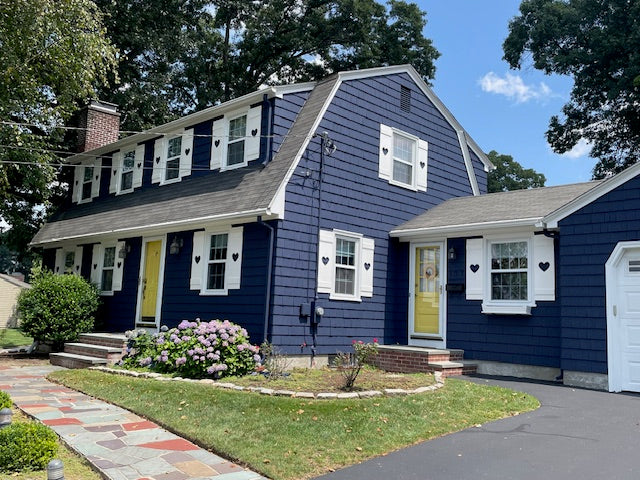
{"x":575,"y":434}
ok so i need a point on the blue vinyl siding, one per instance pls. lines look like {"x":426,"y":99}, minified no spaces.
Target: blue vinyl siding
{"x":105,"y":177}
{"x":148,"y":164}
{"x":285,"y":110}
{"x":201,"y":158}
{"x":355,"y":199}
{"x":587,"y":238}
{"x":481,"y":175}
{"x":529,"y":340}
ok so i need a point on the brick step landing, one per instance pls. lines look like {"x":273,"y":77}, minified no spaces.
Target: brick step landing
{"x":90,"y":350}
{"x":409,"y":359}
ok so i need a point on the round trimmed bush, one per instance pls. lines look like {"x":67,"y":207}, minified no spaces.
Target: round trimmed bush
{"x":58,"y":308}
{"x":5,"y":400}
{"x":26,"y":446}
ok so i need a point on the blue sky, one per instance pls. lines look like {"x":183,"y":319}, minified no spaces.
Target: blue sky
{"x":502,"y":109}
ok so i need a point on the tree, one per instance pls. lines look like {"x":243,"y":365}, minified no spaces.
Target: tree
{"x":510,"y":175}
{"x":53,"y":51}
{"x":202,"y":52}
{"x":597,"y":43}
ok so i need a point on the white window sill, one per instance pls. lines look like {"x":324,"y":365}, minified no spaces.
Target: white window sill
{"x":86,"y":200}
{"x":403,"y":185}
{"x":224,"y":168}
{"x":106,"y":294}
{"x":170,"y":181}
{"x":507,"y":309}
{"x":214,"y":293}
{"x":124,"y":192}
{"x":344,"y":298}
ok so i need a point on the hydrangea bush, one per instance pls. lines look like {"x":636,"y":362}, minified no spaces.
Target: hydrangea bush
{"x":194,"y":350}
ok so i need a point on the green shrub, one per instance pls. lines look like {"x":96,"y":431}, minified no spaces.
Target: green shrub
{"x":194,"y":350}
{"x":26,"y":446}
{"x":58,"y":308}
{"x":5,"y":400}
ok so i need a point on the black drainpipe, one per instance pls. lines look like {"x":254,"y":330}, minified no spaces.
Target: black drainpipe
{"x":267,"y":300}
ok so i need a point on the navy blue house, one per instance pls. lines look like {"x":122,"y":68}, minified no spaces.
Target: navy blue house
{"x":356,"y":208}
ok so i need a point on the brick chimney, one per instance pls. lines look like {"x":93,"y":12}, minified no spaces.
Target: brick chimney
{"x":99,"y":124}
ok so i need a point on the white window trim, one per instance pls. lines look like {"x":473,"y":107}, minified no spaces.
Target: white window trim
{"x":205,"y":270}
{"x":419,"y":162}
{"x":353,"y":237}
{"x":414,"y":160}
{"x":225,"y":149}
{"x":95,"y":182}
{"x":220,"y":138}
{"x":120,"y":168}
{"x":103,"y":247}
{"x":200,"y":262}
{"x":165,"y":160}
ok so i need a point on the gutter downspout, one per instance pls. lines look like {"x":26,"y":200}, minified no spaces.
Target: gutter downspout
{"x":267,"y":300}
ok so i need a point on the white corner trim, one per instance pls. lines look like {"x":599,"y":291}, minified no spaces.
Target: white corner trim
{"x":464,"y":147}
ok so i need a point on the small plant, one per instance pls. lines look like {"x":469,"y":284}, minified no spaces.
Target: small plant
{"x":350,"y":364}
{"x":275,"y":364}
{"x":5,"y":400}
{"x":58,"y":308}
{"x":194,"y":350}
{"x":26,"y":446}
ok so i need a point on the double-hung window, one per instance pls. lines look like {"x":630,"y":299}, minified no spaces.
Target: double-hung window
{"x":108,"y":265}
{"x":403,"y":159}
{"x":216,"y":263}
{"x":87,"y":183}
{"x":345,"y":282}
{"x":172,"y":167}
{"x":69,"y":261}
{"x":236,"y":142}
{"x":509,"y":271}
{"x":126,"y":173}
{"x":404,"y":154}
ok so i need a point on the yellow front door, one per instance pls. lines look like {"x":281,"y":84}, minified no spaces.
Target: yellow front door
{"x":427,"y":291}
{"x":150,"y":280}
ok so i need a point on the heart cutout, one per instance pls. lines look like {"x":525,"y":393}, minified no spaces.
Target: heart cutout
{"x":217,"y":143}
{"x":57,"y":269}
{"x":325,"y":260}
{"x":197,"y":259}
{"x":119,"y":264}
{"x":254,"y":132}
{"x":544,"y":266}
{"x":77,"y":267}
{"x":76,"y":182}
{"x":187,"y":151}
{"x":95,"y":265}
{"x":235,"y":257}
{"x":157,"y":159}
{"x":385,"y":150}
{"x":97,"y":177}
{"x":367,"y":266}
{"x":139,"y":165}
{"x":422,"y":164}
{"x":114,"y":172}
{"x":474,"y":268}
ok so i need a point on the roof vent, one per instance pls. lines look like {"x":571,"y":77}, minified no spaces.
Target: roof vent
{"x":405,"y":98}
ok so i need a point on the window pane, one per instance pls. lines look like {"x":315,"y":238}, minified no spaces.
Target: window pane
{"x":403,"y":173}
{"x":403,"y":148}
{"x":88,"y":174}
{"x":345,"y":252}
{"x":237,"y":128}
{"x":345,"y":281}
{"x":173,"y":169}
{"x":509,"y":286}
{"x":109,"y":257}
{"x":215,"y":276}
{"x":69,"y":260}
{"x":218,"y":250}
{"x":107,"y":280}
{"x":128,"y":160}
{"x":235,"y":153}
{"x":126,"y":181}
{"x":175,"y":145}
{"x":509,"y":256}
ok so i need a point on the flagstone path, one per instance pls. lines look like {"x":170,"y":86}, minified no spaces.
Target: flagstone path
{"x":120,"y":444}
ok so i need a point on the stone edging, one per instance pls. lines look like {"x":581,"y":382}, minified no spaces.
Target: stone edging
{"x":281,"y":393}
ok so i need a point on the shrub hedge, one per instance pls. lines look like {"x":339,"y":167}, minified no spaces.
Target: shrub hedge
{"x":5,"y":400}
{"x":26,"y":446}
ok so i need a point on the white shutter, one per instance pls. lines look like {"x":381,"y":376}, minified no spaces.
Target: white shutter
{"x":77,"y":261}
{"x":118,"y":268}
{"x":386,"y":152}
{"x":159,"y":159}
{"x":234,"y":259}
{"x":326,"y":261}
{"x":114,"y":173}
{"x":422,"y":165}
{"x":76,"y":187}
{"x":96,"y":264}
{"x":95,"y":181}
{"x":198,"y":261}
{"x":543,"y":268}
{"x":475,"y":269}
{"x":252,"y":140}
{"x":366,"y":266}
{"x":58,"y":268}
{"x":138,"y":166}
{"x":187,"y":153}
{"x":217,"y":143}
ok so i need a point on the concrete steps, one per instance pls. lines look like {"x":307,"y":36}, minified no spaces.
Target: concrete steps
{"x":90,"y":350}
{"x":409,"y":359}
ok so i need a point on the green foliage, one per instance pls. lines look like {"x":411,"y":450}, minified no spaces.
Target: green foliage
{"x":201,"y":52}
{"x":5,"y":400}
{"x":58,"y":307}
{"x":274,"y":362}
{"x":350,"y":364}
{"x":597,"y":43}
{"x":510,"y":175}
{"x":26,"y":446}
{"x":194,"y":350}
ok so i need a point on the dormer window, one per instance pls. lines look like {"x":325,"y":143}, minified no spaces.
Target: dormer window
{"x":126,"y":175}
{"x":172,"y":169}
{"x":127,"y":170}
{"x":87,"y":183}
{"x":236,"y":138}
{"x":235,"y":148}
{"x":172,"y":157}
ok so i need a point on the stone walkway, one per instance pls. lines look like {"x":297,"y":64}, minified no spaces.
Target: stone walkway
{"x":120,"y":444}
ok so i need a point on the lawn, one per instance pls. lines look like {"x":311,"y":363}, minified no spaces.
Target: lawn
{"x":75,"y":467}
{"x":12,"y":337}
{"x":292,"y":438}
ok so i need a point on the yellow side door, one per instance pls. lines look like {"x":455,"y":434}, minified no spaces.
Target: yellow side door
{"x":427,"y":291}
{"x":150,"y":280}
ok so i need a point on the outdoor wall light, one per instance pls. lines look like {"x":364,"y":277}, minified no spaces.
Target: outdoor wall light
{"x":124,"y":251}
{"x":451,"y":254}
{"x":176,"y":245}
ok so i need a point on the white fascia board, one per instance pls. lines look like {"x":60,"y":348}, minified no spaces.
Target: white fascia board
{"x":282,"y":90}
{"x":468,"y":229}
{"x":173,"y":226}
{"x":552,"y":219}
{"x":176,"y":125}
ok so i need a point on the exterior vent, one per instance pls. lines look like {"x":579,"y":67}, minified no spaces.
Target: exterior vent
{"x":634,"y":266}
{"x":405,"y":98}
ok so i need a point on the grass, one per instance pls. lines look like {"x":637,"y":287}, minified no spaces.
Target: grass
{"x":75,"y":467}
{"x":12,"y":337}
{"x":288,"y":438}
{"x":330,"y":380}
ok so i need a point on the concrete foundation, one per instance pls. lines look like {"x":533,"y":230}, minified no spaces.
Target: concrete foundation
{"x":593,"y":381}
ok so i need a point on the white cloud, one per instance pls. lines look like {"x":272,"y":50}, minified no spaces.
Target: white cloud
{"x":514,"y":88}
{"x":581,"y":149}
